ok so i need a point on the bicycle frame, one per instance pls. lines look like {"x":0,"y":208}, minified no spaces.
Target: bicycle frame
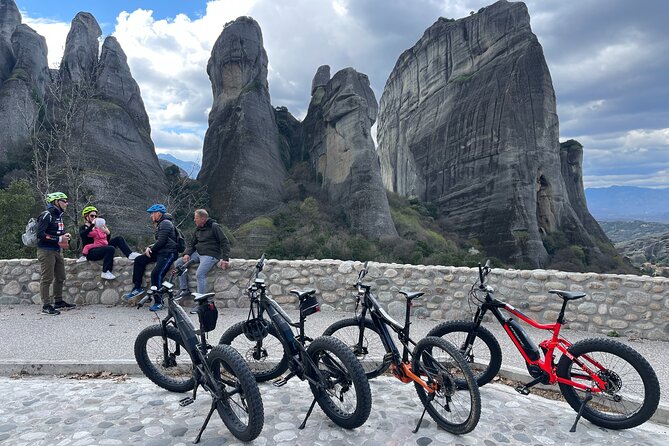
{"x":400,"y":362}
{"x":522,"y":342}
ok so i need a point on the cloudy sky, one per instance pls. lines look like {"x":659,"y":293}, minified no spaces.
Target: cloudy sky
{"x":608,"y":60}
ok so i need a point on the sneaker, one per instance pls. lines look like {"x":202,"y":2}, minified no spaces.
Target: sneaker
{"x":133,"y":255}
{"x":48,"y":309}
{"x":62,"y":305}
{"x":108,"y":275}
{"x":184,"y":293}
{"x":156,"y":307}
{"x":82,"y":259}
{"x":134,"y":293}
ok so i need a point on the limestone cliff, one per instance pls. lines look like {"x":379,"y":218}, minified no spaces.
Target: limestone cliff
{"x":10,"y":18}
{"x":468,"y":121}
{"x":241,"y":162}
{"x":336,"y":134}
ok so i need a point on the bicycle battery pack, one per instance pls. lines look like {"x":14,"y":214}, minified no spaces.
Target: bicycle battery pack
{"x":530,"y":348}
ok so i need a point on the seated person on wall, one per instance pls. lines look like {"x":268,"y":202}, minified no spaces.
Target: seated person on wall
{"x":163,"y":252}
{"x":98,"y":244}
{"x":209,"y":246}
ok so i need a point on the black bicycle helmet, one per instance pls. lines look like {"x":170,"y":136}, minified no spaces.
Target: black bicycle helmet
{"x":256,"y":329}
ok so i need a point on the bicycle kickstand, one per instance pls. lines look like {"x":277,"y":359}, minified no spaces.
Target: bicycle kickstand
{"x":304,"y":423}
{"x":206,"y":420}
{"x":588,"y":397}
{"x":425,"y":410}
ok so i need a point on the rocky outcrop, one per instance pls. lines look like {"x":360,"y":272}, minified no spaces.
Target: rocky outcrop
{"x":80,"y":57}
{"x":336,"y":133}
{"x":241,"y":163}
{"x":468,"y":121}
{"x":22,"y":93}
{"x":10,"y":18}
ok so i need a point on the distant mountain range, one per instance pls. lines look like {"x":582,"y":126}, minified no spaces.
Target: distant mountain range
{"x":191,"y":168}
{"x":627,"y":203}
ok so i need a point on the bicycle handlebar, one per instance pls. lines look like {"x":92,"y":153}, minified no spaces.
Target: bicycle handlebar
{"x":483,"y":272}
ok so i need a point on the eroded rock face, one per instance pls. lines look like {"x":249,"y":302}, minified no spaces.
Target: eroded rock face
{"x":468,"y":121}
{"x":10,"y":18}
{"x":22,"y":92}
{"x":81,"y":49}
{"x":241,"y":164}
{"x":337,"y":135}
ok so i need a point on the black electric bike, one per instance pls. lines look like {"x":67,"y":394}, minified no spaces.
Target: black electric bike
{"x":335,"y":377}
{"x":177,"y":357}
{"x":443,"y":380}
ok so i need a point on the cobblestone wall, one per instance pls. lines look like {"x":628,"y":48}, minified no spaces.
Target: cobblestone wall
{"x":628,"y":305}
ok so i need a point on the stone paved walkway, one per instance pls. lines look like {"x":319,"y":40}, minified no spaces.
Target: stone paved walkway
{"x":40,"y":411}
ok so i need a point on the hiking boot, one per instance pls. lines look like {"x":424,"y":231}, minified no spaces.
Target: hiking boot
{"x":156,"y":307}
{"x":133,"y":255}
{"x":62,"y":305}
{"x":134,"y":293}
{"x":48,"y":309}
{"x":108,"y":275}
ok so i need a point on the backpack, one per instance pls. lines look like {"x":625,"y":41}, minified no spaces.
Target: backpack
{"x":181,"y":241}
{"x":29,"y":237}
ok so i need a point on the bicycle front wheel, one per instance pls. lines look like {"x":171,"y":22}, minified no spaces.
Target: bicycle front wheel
{"x":342,"y":390}
{"x":483,"y":355}
{"x":174,"y":371}
{"x":455,"y":403}
{"x":369,"y":349}
{"x":239,"y":405}
{"x":631,"y":393}
{"x":266,"y":358}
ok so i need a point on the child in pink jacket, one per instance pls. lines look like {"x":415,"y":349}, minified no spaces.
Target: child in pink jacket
{"x":99,"y":237}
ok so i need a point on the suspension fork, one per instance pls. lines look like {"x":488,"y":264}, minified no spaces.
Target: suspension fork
{"x":361,"y":331}
{"x":471,"y":336}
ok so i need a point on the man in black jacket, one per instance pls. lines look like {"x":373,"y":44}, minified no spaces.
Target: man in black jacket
{"x":209,"y":246}
{"x":163,"y":252}
{"x":51,"y":238}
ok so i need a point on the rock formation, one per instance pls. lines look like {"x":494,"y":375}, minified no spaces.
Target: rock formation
{"x":241,"y":163}
{"x":336,"y":133}
{"x":10,"y":18}
{"x":468,"y":121}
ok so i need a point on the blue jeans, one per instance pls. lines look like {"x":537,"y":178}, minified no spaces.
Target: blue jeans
{"x":206,"y":264}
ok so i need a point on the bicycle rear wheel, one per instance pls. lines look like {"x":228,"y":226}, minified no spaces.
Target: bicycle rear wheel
{"x":239,"y":405}
{"x":266,"y":358}
{"x":484,"y":355}
{"x":632,"y":391}
{"x":174,"y":372}
{"x":456,"y":402}
{"x":343,"y":393}
{"x":369,"y":351}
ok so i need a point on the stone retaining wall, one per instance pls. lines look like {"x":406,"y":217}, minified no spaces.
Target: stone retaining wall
{"x":634,"y":306}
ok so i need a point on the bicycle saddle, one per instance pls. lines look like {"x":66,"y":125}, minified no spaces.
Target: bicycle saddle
{"x":197,"y":297}
{"x":303,"y":294}
{"x":568,"y":295}
{"x":411,"y":295}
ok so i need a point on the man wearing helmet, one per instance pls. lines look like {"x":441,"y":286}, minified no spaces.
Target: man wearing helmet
{"x":98,"y":244}
{"x":51,"y":238}
{"x":163,"y":252}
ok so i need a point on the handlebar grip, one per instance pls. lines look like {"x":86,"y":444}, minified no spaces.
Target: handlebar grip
{"x":481,"y":273}
{"x":145,"y":299}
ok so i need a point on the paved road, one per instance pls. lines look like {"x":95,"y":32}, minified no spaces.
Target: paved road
{"x":39,"y":411}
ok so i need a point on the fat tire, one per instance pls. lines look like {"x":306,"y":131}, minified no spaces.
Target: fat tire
{"x":459,"y":386}
{"x":235,"y":337}
{"x":458,"y":331}
{"x":634,"y":363}
{"x":373,"y":368}
{"x":355,"y":377}
{"x":232,"y":362}
{"x":154,"y":370}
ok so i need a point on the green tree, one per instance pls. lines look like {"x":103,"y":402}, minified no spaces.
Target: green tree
{"x":16,"y":207}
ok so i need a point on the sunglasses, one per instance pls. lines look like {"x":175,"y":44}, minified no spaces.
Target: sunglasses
{"x":93,"y":215}
{"x":64,"y":201}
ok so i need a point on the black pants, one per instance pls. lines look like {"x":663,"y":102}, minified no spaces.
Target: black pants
{"x":163,"y":263}
{"x":106,"y":253}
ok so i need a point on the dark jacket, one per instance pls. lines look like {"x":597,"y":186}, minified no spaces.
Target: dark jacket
{"x":209,"y":240}
{"x":49,"y":228}
{"x":166,"y":236}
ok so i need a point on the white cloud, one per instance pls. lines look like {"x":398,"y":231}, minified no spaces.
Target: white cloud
{"x":55,"y":34}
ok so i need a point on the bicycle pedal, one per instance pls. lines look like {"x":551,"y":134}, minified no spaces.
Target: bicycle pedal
{"x":522,"y":389}
{"x":280,"y":382}
{"x":186,"y":401}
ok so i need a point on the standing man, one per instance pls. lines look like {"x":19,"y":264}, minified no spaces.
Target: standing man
{"x":163,"y":252}
{"x":51,"y":238}
{"x":209,"y":246}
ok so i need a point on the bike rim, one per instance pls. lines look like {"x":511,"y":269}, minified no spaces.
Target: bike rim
{"x":178,"y":367}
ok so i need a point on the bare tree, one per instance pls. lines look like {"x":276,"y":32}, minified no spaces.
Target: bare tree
{"x":184,"y":195}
